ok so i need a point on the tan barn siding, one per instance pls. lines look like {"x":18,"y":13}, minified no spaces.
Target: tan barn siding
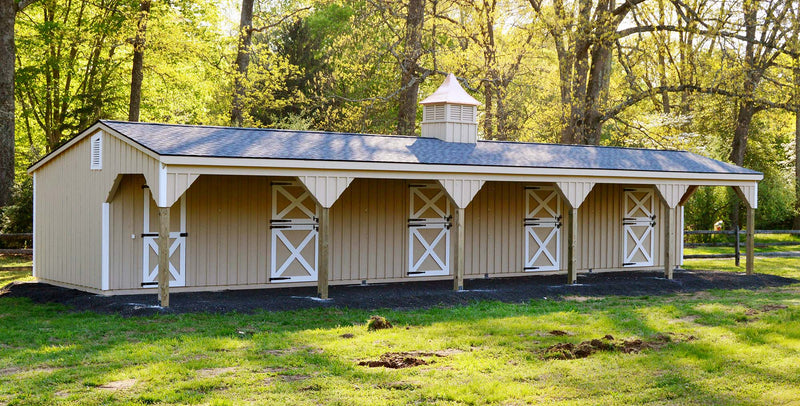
{"x":494,"y":232}
{"x":68,"y":208}
{"x":229,"y":237}
{"x":227,"y":221}
{"x":127,"y":208}
{"x":369,"y":236}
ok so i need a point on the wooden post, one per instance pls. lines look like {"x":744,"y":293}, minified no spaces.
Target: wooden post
{"x":572,"y":243}
{"x":737,"y":251}
{"x":324,"y":249}
{"x":751,"y":226}
{"x":669,"y":243}
{"x":458,"y":228}
{"x":163,"y":256}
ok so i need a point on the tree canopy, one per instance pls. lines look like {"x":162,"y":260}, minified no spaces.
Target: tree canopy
{"x":720,"y":78}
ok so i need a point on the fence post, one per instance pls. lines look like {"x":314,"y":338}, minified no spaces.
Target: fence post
{"x":738,"y":252}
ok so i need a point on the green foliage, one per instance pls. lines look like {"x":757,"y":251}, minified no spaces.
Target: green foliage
{"x":17,"y":217}
{"x":334,"y":65}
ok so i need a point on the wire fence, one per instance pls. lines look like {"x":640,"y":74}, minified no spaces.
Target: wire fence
{"x":737,"y":242}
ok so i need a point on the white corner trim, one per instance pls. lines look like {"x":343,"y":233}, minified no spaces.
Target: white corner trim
{"x":104,"y":256}
{"x":683,"y":227}
{"x":162,"y":185}
{"x":33,"y":242}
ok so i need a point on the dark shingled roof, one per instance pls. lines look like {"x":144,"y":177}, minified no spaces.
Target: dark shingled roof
{"x":207,"y":141}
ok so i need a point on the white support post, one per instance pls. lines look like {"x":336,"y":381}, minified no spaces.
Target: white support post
{"x":105,"y":248}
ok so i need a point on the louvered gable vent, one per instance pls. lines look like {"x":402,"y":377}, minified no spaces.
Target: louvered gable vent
{"x":450,"y":113}
{"x":96,"y":160}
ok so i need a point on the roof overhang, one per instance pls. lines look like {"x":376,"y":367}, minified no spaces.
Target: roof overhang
{"x":294,"y":167}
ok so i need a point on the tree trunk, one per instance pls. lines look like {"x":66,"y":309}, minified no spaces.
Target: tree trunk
{"x":8,"y":12}
{"x":796,"y":159}
{"x":409,"y":75}
{"x":746,"y":108}
{"x":137,"y":74}
{"x":743,"y":119}
{"x":796,"y":225}
{"x":242,"y":61}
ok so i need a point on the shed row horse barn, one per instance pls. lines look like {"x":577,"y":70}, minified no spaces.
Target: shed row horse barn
{"x":137,"y":207}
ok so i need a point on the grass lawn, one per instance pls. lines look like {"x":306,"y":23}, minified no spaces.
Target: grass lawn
{"x":743,"y":353}
{"x":759,"y":238}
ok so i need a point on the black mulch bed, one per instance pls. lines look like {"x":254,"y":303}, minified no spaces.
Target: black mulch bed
{"x":412,"y":295}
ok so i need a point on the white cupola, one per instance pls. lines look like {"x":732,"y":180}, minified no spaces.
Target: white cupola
{"x":450,"y":113}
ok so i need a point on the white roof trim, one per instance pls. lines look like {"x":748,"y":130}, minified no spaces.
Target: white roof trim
{"x":466,"y":170}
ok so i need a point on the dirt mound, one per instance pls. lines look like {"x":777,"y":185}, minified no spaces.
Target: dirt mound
{"x":395,"y":360}
{"x":564,"y":351}
{"x":558,"y":333}
{"x":378,"y":323}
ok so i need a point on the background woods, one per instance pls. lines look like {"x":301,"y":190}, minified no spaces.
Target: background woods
{"x":721,"y":78}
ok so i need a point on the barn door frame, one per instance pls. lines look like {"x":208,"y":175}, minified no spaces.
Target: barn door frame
{"x":150,"y":247}
{"x":541,"y":216}
{"x":443,"y":221}
{"x":280,"y":224}
{"x":632,"y":205}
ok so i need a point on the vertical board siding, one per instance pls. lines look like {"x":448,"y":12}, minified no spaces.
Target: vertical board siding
{"x":494,"y":233}
{"x":68,"y":208}
{"x":228,"y":224}
{"x":369,"y":225}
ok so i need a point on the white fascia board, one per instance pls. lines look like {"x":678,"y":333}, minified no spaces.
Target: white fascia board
{"x":89,"y":131}
{"x":292,"y":167}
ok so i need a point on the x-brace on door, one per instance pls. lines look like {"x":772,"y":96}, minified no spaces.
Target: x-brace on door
{"x":177,"y":243}
{"x":542,"y":229}
{"x":429,"y":223}
{"x":638,"y":224}
{"x":294,"y":228}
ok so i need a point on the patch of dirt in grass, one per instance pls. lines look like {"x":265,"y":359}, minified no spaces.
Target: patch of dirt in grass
{"x":398,"y":386}
{"x":558,"y":333}
{"x":118,"y":385}
{"x":565,"y":351}
{"x":755,"y":312}
{"x":395,"y":360}
{"x":9,"y":371}
{"x":17,"y":370}
{"x":212,"y":372}
{"x":772,"y":308}
{"x":581,"y":299}
{"x":347,"y":335}
{"x":294,"y":378}
{"x":273,"y":369}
